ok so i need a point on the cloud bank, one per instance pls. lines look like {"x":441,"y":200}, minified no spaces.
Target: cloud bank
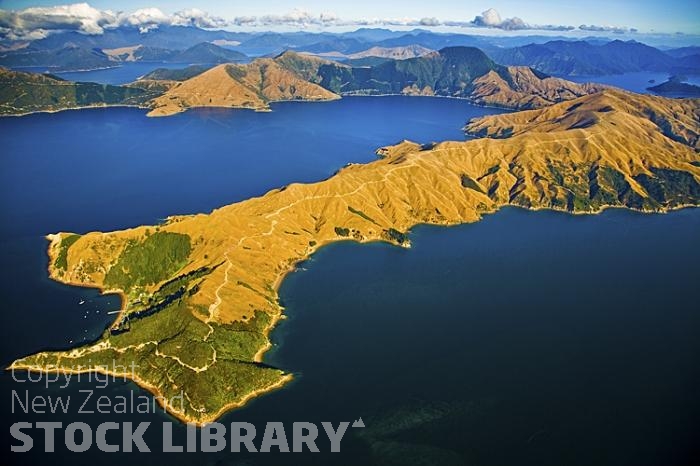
{"x":613,"y":29}
{"x":39,"y":22}
{"x":492,"y":19}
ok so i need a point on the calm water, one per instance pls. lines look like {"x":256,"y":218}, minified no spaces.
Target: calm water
{"x":528,"y":338}
{"x":112,"y":168}
{"x":635,"y":82}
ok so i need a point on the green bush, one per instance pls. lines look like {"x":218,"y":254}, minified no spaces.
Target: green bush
{"x":62,"y":258}
{"x":396,"y":235}
{"x":150,"y":261}
{"x":362,"y":214}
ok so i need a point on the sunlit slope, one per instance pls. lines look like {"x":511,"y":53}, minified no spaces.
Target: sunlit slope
{"x":521,"y":87}
{"x":254,"y":86}
{"x":201,"y":291}
{"x":607,"y":149}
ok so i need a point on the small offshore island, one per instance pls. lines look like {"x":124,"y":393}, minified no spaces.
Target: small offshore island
{"x":676,"y":87}
{"x":200,"y":292}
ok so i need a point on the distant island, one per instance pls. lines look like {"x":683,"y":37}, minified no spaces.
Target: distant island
{"x":463,"y":72}
{"x":676,"y":87}
{"x":200,"y":292}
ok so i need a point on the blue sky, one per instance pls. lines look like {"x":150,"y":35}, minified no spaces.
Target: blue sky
{"x":668,"y":16}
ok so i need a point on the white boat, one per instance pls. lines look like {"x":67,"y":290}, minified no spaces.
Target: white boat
{"x":82,"y":301}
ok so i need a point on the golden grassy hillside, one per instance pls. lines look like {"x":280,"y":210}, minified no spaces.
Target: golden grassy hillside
{"x":253,"y":85}
{"x":199,"y":321}
{"x":525,"y":89}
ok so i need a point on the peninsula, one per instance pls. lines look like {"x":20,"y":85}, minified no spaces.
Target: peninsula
{"x":200,"y":292}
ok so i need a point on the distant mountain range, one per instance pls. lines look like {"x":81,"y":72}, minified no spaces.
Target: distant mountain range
{"x":580,"y":58}
{"x":683,"y":52}
{"x":552,"y":55}
{"x":72,"y":57}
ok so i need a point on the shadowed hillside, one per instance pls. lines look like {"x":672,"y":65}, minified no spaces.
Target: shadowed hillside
{"x":22,"y":93}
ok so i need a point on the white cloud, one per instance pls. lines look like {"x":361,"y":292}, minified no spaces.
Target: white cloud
{"x":613,"y":29}
{"x":145,"y":19}
{"x":489,"y":18}
{"x":492,"y":19}
{"x":36,"y":23}
{"x":198,"y":18}
{"x":296,"y":18}
{"x":429,"y":22}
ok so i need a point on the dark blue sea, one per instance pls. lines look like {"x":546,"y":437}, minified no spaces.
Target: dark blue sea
{"x":636,"y":81}
{"x":528,"y":338}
